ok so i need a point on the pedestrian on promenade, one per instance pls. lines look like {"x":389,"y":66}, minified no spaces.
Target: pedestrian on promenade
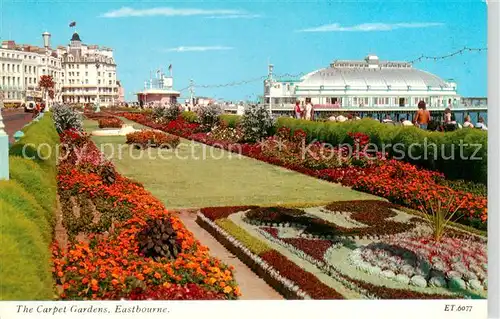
{"x":36,"y":111}
{"x":423,"y":116}
{"x":308,"y":110}
{"x":480,"y":124}
{"x":298,"y":110}
{"x":468,"y":122}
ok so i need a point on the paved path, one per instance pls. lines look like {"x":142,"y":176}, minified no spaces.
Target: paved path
{"x":14,"y":121}
{"x":252,"y":287}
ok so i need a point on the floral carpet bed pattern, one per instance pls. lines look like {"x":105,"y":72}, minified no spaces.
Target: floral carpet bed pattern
{"x":352,"y":250}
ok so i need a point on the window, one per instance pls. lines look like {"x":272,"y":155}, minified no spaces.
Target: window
{"x":98,"y":73}
{"x":86,"y":73}
{"x":98,"y":81}
{"x":18,"y":67}
{"x":77,"y":73}
{"x":109,"y":82}
{"x":386,"y":101}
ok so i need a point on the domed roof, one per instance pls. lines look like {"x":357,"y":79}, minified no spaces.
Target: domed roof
{"x":75,"y":37}
{"x":383,"y":76}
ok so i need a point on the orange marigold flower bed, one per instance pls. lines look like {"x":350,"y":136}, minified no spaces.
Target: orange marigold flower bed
{"x":110,"y":122}
{"x":112,"y":267}
{"x":150,"y":138}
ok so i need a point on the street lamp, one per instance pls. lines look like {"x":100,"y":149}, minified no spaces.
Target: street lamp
{"x":4,"y":145}
{"x":98,"y":104}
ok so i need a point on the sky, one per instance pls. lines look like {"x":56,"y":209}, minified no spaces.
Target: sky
{"x":221,"y":42}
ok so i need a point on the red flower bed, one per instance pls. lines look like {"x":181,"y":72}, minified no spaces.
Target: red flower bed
{"x":144,"y":139}
{"x":110,"y":267}
{"x":305,"y":280}
{"x":214,"y":213}
{"x":110,"y":122}
{"x":178,"y":127}
{"x":315,"y":248}
{"x":174,"y":292}
{"x":408,"y":185}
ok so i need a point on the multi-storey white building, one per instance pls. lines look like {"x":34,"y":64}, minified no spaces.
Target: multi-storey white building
{"x":89,"y":74}
{"x":21,"y":69}
{"x":82,"y":73}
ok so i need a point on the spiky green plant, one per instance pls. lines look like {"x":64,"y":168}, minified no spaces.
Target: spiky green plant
{"x":439,"y":214}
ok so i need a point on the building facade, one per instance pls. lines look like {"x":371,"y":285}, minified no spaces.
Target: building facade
{"x":82,"y":73}
{"x":21,"y":69}
{"x":368,"y":84}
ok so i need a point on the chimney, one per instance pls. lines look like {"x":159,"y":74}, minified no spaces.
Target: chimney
{"x":46,"y":39}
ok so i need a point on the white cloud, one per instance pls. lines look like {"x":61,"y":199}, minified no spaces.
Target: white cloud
{"x":167,"y":12}
{"x":367,"y":27}
{"x":236,"y":16}
{"x":198,"y":48}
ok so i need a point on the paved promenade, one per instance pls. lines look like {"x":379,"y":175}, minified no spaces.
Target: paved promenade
{"x":14,"y":121}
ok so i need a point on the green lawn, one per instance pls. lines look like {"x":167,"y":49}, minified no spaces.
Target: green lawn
{"x":190,"y":178}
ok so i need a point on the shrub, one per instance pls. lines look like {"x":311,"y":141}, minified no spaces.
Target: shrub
{"x":227,"y":134}
{"x":66,"y":118}
{"x":256,"y":123}
{"x":230,"y":120}
{"x":25,"y":273}
{"x":159,"y":239}
{"x":209,"y":115}
{"x":189,"y":117}
{"x":25,"y":204}
{"x":382,"y":135}
{"x":158,"y":112}
{"x":110,"y":122}
{"x":171,"y":112}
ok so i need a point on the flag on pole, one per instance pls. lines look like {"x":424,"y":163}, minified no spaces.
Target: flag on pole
{"x":72,"y":24}
{"x":170,"y":67}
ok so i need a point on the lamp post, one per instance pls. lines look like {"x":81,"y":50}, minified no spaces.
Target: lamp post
{"x":98,"y":103}
{"x":270,"y":81}
{"x":4,"y":145}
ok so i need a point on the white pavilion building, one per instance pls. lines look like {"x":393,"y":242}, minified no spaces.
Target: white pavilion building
{"x":365,"y":85}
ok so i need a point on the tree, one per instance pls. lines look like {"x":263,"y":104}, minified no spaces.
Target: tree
{"x":47,"y":84}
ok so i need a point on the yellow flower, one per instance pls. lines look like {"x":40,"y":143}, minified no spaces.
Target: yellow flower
{"x":228,"y":289}
{"x":211,"y":281}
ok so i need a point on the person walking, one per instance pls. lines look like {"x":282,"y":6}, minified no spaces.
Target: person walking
{"x":308,"y":110}
{"x":36,"y":111}
{"x":298,"y":110}
{"x":423,"y":116}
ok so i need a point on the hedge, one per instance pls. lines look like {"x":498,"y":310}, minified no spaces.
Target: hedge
{"x":27,"y":203}
{"x":189,"y":116}
{"x":398,"y":139}
{"x":231,"y":120}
